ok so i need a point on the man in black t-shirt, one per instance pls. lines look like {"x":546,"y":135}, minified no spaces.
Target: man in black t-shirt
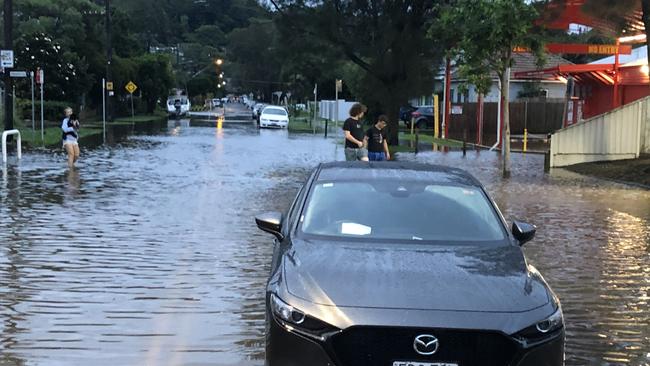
{"x":375,"y":139}
{"x":353,"y":129}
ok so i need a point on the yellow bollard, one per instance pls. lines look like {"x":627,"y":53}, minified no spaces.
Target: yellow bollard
{"x":525,"y":139}
{"x":412,"y":125}
{"x":436,"y":116}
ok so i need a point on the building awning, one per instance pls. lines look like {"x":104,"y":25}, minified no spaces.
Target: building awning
{"x":599,"y":73}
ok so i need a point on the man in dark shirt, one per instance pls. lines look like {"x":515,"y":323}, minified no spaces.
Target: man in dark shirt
{"x":353,"y":129}
{"x":375,"y":139}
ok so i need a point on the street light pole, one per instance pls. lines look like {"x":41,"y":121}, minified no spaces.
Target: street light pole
{"x":109,"y":56}
{"x":8,"y":44}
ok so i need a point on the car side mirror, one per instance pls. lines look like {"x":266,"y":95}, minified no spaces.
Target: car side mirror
{"x":271,"y":222}
{"x":523,"y":232}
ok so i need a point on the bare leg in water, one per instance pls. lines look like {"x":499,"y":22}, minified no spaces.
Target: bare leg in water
{"x":69,"y":148}
{"x":76,"y":152}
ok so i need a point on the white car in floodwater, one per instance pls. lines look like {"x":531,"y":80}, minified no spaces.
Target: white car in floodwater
{"x":274,"y":116}
{"x":178,"y":105}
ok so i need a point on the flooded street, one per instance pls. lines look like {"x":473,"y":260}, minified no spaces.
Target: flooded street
{"x":148,"y":253}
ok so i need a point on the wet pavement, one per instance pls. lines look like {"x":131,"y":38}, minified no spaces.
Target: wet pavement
{"x":148,"y":255}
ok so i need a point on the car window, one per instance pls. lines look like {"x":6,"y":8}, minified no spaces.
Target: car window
{"x":398,"y":210}
{"x":275,"y":111}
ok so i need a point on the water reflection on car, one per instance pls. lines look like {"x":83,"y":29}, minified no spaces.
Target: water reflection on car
{"x":404,"y":264}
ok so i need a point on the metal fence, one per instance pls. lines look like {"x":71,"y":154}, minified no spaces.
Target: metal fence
{"x":623,"y":133}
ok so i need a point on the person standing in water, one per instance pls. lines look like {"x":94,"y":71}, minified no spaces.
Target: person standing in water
{"x":353,"y":129}
{"x":376,"y":140}
{"x":70,"y":127}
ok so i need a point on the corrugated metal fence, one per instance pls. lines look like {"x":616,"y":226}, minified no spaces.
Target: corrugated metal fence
{"x":623,"y":133}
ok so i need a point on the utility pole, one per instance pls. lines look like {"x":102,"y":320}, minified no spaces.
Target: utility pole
{"x":109,"y":57}
{"x":9,"y":45}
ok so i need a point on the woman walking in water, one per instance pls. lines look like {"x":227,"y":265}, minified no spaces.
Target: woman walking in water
{"x":70,"y":127}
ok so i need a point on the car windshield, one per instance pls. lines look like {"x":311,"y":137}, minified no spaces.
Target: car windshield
{"x":275,"y":111}
{"x":399,"y":210}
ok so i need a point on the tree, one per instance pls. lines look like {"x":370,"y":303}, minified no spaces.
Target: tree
{"x":492,"y":29}
{"x":385,"y":39}
{"x":254,"y":61}
{"x":154,"y":79}
{"x":61,"y":74}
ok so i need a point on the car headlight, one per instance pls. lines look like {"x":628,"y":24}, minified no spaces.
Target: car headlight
{"x":296,"y":321}
{"x":543,"y":330}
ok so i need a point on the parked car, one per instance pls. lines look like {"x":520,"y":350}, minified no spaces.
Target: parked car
{"x":424,"y":272}
{"x":405,"y":113}
{"x":274,"y":116}
{"x":423,"y":117}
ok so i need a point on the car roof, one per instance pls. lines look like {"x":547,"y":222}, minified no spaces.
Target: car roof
{"x":339,"y":171}
{"x":274,"y":107}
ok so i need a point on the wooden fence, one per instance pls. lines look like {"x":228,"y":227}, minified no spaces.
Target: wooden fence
{"x":538,"y":117}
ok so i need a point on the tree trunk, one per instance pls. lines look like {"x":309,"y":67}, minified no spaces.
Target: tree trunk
{"x":645,"y":7}
{"x":393,"y":123}
{"x":505,"y":94}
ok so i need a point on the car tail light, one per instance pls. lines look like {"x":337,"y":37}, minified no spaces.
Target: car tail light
{"x":416,"y":114}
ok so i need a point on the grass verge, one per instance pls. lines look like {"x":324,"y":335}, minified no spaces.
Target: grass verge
{"x":51,"y":136}
{"x":636,"y":171}
{"x":144,"y":118}
{"x":301,"y":125}
{"x":430,"y":139}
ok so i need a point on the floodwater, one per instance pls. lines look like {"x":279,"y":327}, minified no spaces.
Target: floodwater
{"x":147,"y":254}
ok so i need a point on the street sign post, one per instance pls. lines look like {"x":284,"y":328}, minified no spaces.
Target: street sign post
{"x":7,"y":59}
{"x":31,"y":82}
{"x":131,"y":87}
{"x":109,"y":85}
{"x":104,"y":109}
{"x":40,"y":79}
{"x":18,"y":74}
{"x":339,"y":88}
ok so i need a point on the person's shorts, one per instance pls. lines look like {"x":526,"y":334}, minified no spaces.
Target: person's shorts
{"x":376,"y":156}
{"x":66,"y":142}
{"x":355,"y":154}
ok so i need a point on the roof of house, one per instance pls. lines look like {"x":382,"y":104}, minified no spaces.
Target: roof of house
{"x":526,"y":62}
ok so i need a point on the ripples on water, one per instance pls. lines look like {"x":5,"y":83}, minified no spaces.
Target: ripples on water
{"x":147,"y":254}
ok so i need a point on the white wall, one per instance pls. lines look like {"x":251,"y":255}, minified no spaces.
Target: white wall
{"x":623,"y":133}
{"x":555,"y":90}
{"x":327,"y":109}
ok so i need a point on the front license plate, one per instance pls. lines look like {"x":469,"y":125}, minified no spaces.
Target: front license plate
{"x":418,"y":363}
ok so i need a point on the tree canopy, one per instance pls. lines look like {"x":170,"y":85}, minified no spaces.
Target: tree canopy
{"x":385,"y":40}
{"x":491,"y":30}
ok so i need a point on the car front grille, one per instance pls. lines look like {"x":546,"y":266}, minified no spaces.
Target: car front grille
{"x":380,"y":346}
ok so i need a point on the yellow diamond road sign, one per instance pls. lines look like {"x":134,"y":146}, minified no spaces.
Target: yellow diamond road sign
{"x":131,"y":87}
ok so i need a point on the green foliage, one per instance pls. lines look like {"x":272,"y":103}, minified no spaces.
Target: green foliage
{"x":256,"y":59}
{"x":490,"y":30}
{"x":53,"y":111}
{"x":154,"y":78}
{"x":386,"y":40}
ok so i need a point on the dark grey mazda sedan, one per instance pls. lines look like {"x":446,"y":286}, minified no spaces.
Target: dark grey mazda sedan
{"x":403,"y":264}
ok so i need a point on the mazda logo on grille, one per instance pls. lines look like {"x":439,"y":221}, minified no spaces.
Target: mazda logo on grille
{"x":426,"y":344}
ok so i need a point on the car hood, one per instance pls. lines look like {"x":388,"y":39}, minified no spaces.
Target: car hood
{"x":490,"y":279}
